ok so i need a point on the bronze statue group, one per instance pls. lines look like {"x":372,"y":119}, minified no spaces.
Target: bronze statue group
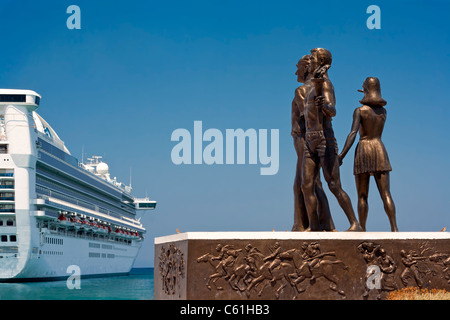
{"x":313,"y":108}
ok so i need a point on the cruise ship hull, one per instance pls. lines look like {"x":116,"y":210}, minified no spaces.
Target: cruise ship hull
{"x":55,"y":255}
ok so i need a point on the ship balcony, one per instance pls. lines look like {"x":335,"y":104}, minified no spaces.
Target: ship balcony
{"x":46,"y":203}
{"x":6,"y":173}
{"x":7,"y":214}
{"x":38,"y":201}
{"x":3,"y":147}
{"x":7,"y":197}
{"x":7,"y":208}
{"x":40,"y":213}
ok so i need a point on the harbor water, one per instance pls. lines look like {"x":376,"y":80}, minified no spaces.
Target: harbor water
{"x":138,"y":285}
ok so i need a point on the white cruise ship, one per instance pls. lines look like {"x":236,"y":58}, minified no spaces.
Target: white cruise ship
{"x":57,"y":212}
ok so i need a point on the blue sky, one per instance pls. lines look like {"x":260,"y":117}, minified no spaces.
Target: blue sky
{"x":138,"y":70}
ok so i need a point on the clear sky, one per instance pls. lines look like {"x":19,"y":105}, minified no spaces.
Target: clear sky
{"x":138,"y":70}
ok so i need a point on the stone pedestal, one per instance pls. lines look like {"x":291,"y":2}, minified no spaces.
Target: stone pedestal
{"x":298,"y":265}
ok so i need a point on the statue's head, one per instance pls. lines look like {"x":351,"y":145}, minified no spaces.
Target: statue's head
{"x":319,"y":58}
{"x":372,"y":92}
{"x":302,"y":68}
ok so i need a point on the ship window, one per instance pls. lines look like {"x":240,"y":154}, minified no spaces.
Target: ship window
{"x":1,"y":222}
{"x":10,"y":222}
{"x":147,"y":205}
{"x":4,"y":238}
{"x":94,"y":255}
{"x":13,"y":238}
{"x":13,"y":98}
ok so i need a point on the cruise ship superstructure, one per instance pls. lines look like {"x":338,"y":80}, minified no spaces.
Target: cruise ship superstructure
{"x":55,"y":211}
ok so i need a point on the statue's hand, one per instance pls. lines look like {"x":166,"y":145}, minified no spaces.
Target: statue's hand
{"x":319,"y":101}
{"x":341,"y":159}
{"x":320,"y":71}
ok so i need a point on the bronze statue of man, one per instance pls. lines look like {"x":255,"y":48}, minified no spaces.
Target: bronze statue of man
{"x":320,"y":144}
{"x":301,"y":222}
{"x":371,"y":158}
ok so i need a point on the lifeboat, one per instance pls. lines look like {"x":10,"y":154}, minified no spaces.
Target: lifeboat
{"x":76,"y":223}
{"x":94,"y":226}
{"x":123,"y":233}
{"x":62,"y":219}
{"x":135,"y":235}
{"x":105,"y":229}
{"x":102,"y":229}
{"x":86,"y":225}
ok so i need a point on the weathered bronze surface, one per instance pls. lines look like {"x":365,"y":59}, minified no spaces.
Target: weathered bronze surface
{"x":306,"y":268}
{"x":171,"y":271}
{"x":371,"y":158}
{"x":301,"y":221}
{"x":316,"y":102}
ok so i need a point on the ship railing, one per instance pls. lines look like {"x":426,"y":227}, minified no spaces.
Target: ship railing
{"x":82,"y":203}
{"x":54,"y":229}
{"x":68,"y":209}
{"x":61,"y":196}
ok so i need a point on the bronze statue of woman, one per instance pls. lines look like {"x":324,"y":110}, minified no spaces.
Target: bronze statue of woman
{"x":371,"y":158}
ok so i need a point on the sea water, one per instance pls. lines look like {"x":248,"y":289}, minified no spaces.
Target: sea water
{"x":138,"y":285}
